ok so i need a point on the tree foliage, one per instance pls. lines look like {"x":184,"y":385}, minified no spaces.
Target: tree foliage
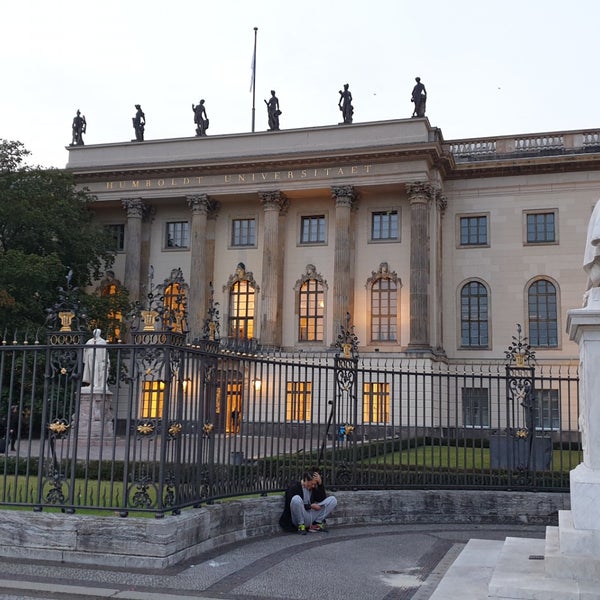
{"x":46,"y":230}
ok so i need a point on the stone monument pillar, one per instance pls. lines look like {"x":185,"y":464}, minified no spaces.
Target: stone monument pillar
{"x":95,"y":424}
{"x":274,"y":203}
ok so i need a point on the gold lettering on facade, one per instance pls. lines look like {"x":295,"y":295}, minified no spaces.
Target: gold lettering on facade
{"x":135,"y":184}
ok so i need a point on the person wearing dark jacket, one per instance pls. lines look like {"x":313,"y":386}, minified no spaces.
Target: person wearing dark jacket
{"x":307,"y":505}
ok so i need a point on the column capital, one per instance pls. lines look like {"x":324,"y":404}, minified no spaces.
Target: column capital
{"x":273,"y":200}
{"x":135,"y":207}
{"x":344,"y":195}
{"x":201,"y":204}
{"x":421,"y":191}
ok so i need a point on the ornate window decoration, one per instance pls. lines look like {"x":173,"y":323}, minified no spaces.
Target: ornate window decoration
{"x":174,"y":292}
{"x":242,"y":290}
{"x":474,"y":315}
{"x":542,"y":314}
{"x":310,"y":293}
{"x":383,"y":286}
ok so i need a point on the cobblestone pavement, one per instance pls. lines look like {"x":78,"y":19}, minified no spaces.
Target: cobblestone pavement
{"x":395,"y":562}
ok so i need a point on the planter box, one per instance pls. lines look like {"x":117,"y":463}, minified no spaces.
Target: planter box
{"x":509,"y":452}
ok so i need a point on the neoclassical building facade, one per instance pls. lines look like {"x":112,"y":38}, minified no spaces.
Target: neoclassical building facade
{"x":433,"y":248}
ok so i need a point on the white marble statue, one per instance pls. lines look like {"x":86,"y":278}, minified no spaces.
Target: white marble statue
{"x":591,"y":257}
{"x":96,"y":363}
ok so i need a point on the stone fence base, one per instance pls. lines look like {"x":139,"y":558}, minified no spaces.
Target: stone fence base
{"x":146,"y":542}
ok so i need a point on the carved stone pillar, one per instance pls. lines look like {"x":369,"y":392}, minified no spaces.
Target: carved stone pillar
{"x":135,"y":211}
{"x":200,"y":267}
{"x":343,"y":273}
{"x":420,"y":195}
{"x":274,"y":203}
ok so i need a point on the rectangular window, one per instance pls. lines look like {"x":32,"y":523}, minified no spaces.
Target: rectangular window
{"x":298,"y":401}
{"x":376,"y":402}
{"x":178,"y":234}
{"x":474,"y":231}
{"x":243,"y":232}
{"x":384,"y":226}
{"x":475,"y":407}
{"x":117,"y":232}
{"x":312,"y":230}
{"x":547,"y":417}
{"x":153,"y":396}
{"x":541,"y":228}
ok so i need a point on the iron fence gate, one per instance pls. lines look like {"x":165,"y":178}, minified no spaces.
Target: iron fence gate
{"x":175,"y":425}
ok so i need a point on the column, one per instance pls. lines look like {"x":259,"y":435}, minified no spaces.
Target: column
{"x":200,"y":267}
{"x":273,"y":203}
{"x":420,"y":195}
{"x":135,"y":211}
{"x":343,"y":273}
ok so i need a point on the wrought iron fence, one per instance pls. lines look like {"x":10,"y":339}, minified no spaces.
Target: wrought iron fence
{"x":159,"y":425}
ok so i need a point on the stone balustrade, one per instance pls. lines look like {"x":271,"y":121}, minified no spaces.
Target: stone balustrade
{"x":530,"y":145}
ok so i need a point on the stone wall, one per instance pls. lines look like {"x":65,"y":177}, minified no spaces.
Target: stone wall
{"x":147,"y":542}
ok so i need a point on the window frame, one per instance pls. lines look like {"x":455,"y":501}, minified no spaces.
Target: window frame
{"x":533,"y":331}
{"x":298,"y":401}
{"x":540,"y":212}
{"x":385,"y":240}
{"x":459,"y":228}
{"x":376,"y":402}
{"x":312,"y":322}
{"x":248,"y":318}
{"x":185,"y":237}
{"x":308,"y":218}
{"x":479,"y":321}
{"x":469,"y":410}
{"x":250,"y":243}
{"x":119,"y":238}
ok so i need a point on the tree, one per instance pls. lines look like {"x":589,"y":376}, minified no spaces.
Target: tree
{"x":46,"y":230}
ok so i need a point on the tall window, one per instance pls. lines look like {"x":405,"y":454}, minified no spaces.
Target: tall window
{"x":476,"y":407}
{"x":542,"y":314}
{"x":541,"y":228}
{"x":384,"y":317}
{"x":114,"y":316}
{"x":117,"y":232}
{"x":174,"y":302}
{"x":474,"y":230}
{"x":312,"y":307}
{"x":243,"y":232}
{"x":376,"y":402}
{"x":474,"y":316}
{"x":178,"y":234}
{"x":153,"y":396}
{"x":548,"y":410}
{"x":384,"y":225}
{"x":241,"y":310}
{"x":312,"y":230}
{"x":298,"y":401}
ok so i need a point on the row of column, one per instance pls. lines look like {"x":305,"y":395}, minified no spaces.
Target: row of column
{"x":425,"y":226}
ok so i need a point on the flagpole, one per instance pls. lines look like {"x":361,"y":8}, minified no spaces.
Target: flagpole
{"x":254,"y":80}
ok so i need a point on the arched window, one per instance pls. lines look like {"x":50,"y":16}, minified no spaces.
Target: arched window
{"x":383,"y":287}
{"x":241,"y":310}
{"x":312,"y":306}
{"x":542,"y":314}
{"x":474,"y":316}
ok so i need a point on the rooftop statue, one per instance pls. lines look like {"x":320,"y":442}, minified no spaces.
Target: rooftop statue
{"x":345,"y":104}
{"x":200,"y":118}
{"x":78,"y":127}
{"x":273,"y":111}
{"x":139,"y":123}
{"x":419,"y":98}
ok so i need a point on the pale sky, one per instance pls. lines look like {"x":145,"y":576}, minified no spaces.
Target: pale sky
{"x":491,"y":67}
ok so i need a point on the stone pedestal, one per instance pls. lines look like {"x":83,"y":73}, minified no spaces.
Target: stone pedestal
{"x":96,"y":420}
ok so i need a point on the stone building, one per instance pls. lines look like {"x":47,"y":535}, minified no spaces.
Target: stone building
{"x":436,"y":249}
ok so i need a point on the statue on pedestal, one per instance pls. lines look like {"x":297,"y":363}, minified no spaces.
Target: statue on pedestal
{"x":345,"y":104}
{"x":273,"y":112}
{"x":200,"y":118}
{"x":96,"y":363}
{"x":139,"y":123}
{"x":419,"y":98}
{"x":78,"y":127}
